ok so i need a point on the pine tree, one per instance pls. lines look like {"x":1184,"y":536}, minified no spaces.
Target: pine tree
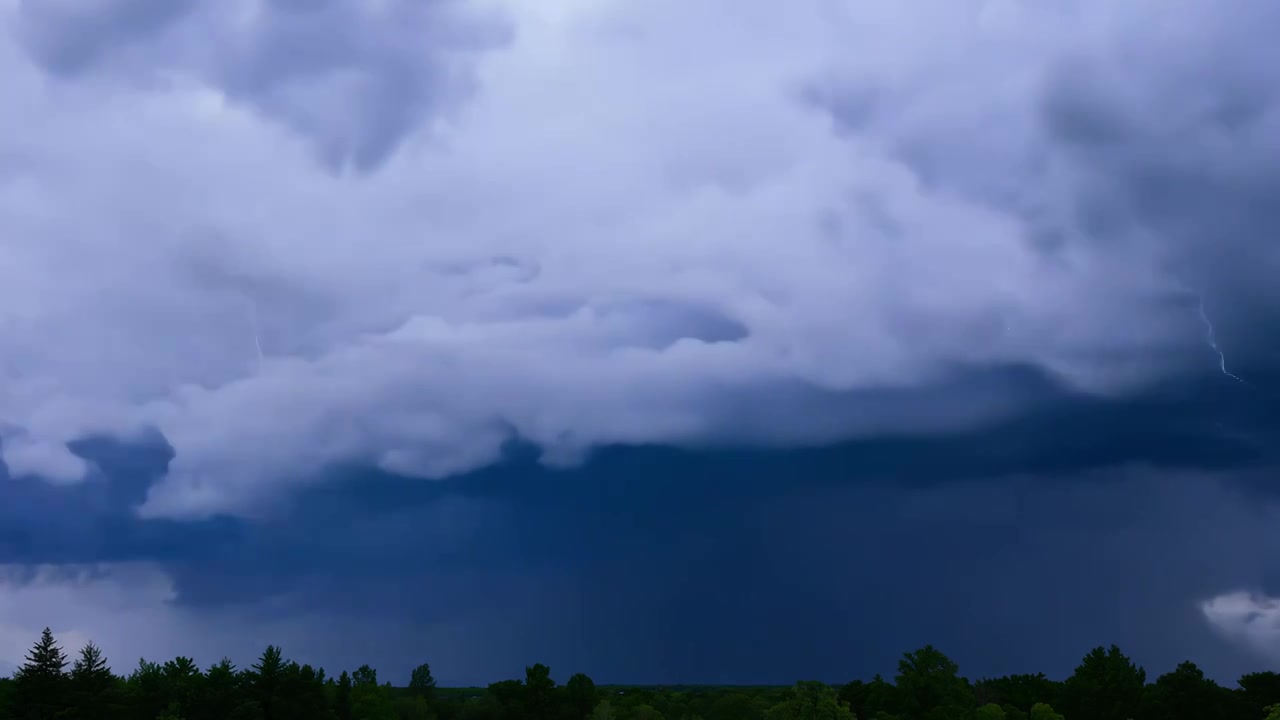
{"x":265,"y":677}
{"x":40,"y":684}
{"x":343,"y":697}
{"x":220,"y":694}
{"x":92,"y":685}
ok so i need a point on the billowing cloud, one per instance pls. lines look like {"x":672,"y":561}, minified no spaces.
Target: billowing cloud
{"x":355,"y":80}
{"x":582,"y":224}
{"x":1250,"y":619}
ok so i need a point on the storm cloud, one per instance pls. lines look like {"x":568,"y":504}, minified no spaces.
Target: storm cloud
{"x":269,"y":267}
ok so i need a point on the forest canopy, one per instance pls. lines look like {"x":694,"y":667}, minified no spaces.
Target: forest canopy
{"x":1106,"y":685}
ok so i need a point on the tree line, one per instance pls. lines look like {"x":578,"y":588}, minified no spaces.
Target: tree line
{"x":1106,"y":685}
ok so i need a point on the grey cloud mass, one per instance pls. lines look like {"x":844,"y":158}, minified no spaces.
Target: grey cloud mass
{"x":609,"y":241}
{"x":355,"y":79}
{"x":285,"y":239}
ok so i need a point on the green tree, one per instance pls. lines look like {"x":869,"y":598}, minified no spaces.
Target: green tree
{"x":146,"y":689}
{"x":414,"y":707}
{"x":264,"y":678}
{"x":422,"y":683}
{"x":990,"y":711}
{"x":369,"y":700}
{"x":93,"y":689}
{"x":302,"y":695}
{"x":880,"y":698}
{"x":738,"y":705}
{"x":930,"y":688}
{"x":1186,"y":694}
{"x":6,"y":698}
{"x":508,"y":699}
{"x":220,"y":692}
{"x":580,"y":696}
{"x":1041,"y":711}
{"x":854,"y":694}
{"x":1013,"y":713}
{"x":183,"y":683}
{"x":1261,"y":690}
{"x":645,"y":712}
{"x":604,"y":711}
{"x":539,"y":693}
{"x":1105,"y":686}
{"x":1020,"y":691}
{"x":810,"y":701}
{"x":342,"y":697}
{"x":40,"y":685}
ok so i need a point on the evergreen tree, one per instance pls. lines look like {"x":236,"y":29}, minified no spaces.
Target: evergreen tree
{"x":220,"y":692}
{"x":342,"y":697}
{"x":264,"y":679}
{"x":93,"y":688}
{"x":40,"y":685}
{"x":183,"y":685}
{"x":147,"y":690}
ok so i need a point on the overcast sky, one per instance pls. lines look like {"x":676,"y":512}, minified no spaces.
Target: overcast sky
{"x":665,"y":340}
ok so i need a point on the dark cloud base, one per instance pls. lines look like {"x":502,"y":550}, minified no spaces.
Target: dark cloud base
{"x":1014,"y":547}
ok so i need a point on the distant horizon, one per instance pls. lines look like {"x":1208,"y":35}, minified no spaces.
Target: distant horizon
{"x":887,"y":674}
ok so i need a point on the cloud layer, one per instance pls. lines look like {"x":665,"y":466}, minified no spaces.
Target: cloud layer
{"x":292,"y":235}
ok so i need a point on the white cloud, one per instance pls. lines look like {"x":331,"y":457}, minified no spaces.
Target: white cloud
{"x":638,"y":216}
{"x":1251,"y":620}
{"x":129,"y":611}
{"x":122,"y":608}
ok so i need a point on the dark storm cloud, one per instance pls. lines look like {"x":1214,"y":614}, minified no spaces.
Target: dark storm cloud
{"x":692,"y":262}
{"x":724,"y":576}
{"x":938,"y":376}
{"x":1015,"y":548}
{"x":95,"y":521}
{"x":69,"y":38}
{"x":1156,"y":136}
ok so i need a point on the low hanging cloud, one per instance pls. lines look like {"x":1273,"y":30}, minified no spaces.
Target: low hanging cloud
{"x":129,"y":611}
{"x":592,"y":223}
{"x":1249,"y":619}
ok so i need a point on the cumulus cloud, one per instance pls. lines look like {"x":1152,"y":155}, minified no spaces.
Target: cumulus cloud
{"x":584,"y":223}
{"x":354,"y":79}
{"x":1249,"y":619}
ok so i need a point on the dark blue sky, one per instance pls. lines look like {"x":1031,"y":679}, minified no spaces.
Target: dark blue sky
{"x":1013,"y":548}
{"x":664,"y":341}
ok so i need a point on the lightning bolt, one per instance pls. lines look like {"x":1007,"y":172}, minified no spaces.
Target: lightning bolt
{"x":1211,"y":339}
{"x":253,"y":322}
